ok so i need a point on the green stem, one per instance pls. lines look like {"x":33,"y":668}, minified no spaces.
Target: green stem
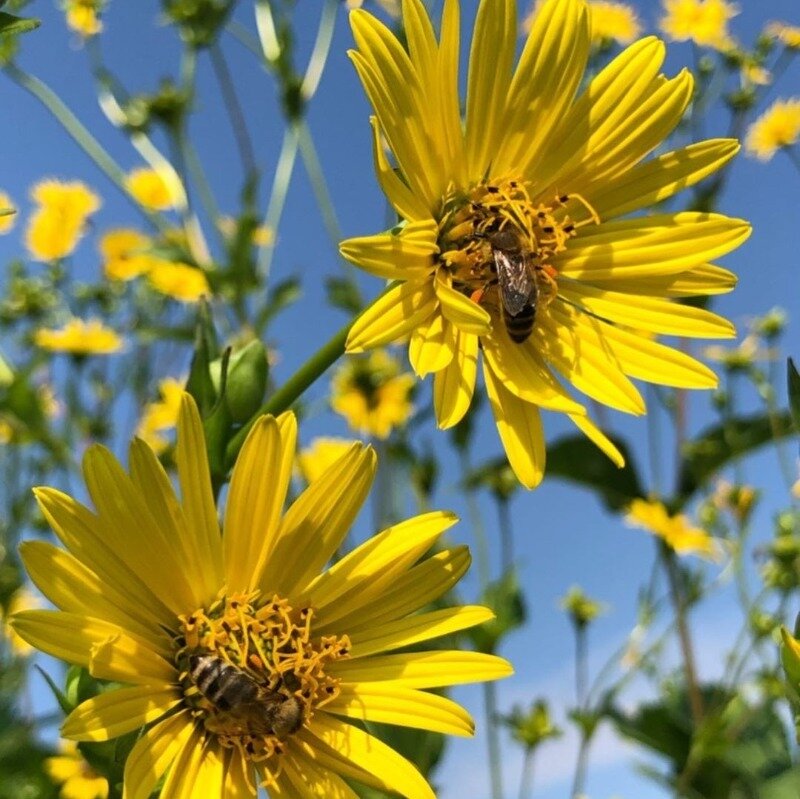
{"x":506,"y":534}
{"x":308,"y":153}
{"x":581,"y":666}
{"x":476,"y":524}
{"x":321,"y":49}
{"x":493,"y":739}
{"x":526,"y":780}
{"x":793,"y":156}
{"x":579,"y":780}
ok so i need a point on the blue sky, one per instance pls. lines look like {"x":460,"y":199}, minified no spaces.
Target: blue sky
{"x":563,"y":535}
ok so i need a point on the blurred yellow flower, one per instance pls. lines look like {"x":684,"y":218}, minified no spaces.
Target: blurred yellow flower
{"x":6,"y":220}
{"x":82,"y":17}
{"x":180,"y":281}
{"x":158,"y":190}
{"x":319,"y":455}
{"x":705,"y":22}
{"x":79,"y":337}
{"x":787,"y":35}
{"x":675,"y":531}
{"x":124,"y":255}
{"x":22,"y":599}
{"x":613,"y":21}
{"x":372,"y":394}
{"x":58,"y":223}
{"x":162,"y":415}
{"x":77,"y":778}
{"x":777,"y":127}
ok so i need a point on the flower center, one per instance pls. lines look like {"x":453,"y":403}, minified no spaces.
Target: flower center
{"x":253,"y":674}
{"x":497,"y":244}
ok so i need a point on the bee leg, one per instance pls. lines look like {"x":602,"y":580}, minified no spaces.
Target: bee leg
{"x":477,"y":295}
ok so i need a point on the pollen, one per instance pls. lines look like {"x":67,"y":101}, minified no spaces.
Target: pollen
{"x":472,"y":223}
{"x":256,"y":654}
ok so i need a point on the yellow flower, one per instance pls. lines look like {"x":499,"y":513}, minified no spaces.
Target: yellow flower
{"x":316,"y":458}
{"x":82,"y":17}
{"x":79,"y":337}
{"x":787,"y":35}
{"x":59,"y":220}
{"x":777,"y":127}
{"x":22,"y":599}
{"x":533,"y":183}
{"x":152,"y":595}
{"x":158,"y":190}
{"x":372,"y":394}
{"x":705,"y":22}
{"x":161,"y":416}
{"x":675,"y":531}
{"x":179,"y":281}
{"x":6,"y":219}
{"x":613,"y":22}
{"x":77,"y":778}
{"x":124,"y":253}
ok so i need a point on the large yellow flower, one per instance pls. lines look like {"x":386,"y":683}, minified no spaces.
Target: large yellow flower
{"x":246,"y":657}
{"x":533,"y":182}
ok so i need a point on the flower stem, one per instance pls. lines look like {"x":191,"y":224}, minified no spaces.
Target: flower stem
{"x":526,"y":780}
{"x":493,"y":739}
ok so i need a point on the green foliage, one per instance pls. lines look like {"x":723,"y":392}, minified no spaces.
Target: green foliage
{"x":507,"y":600}
{"x":793,"y":380}
{"x":11,"y":25}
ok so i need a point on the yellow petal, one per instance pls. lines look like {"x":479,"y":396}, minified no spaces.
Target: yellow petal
{"x":116,"y":712}
{"x":72,"y":587}
{"x":403,"y":253}
{"x":490,"y":62}
{"x":79,"y":530}
{"x":197,"y":498}
{"x":524,"y":374}
{"x":392,"y":316}
{"x":182,"y":779}
{"x":317,"y":522}
{"x":371,"y":755}
{"x":435,"y":669}
{"x":465,"y":314}
{"x":520,"y":428}
{"x":454,"y":385}
{"x":432,"y":345}
{"x":598,"y":438}
{"x":312,"y":782}
{"x":656,"y":180}
{"x":403,"y":200}
{"x":573,"y":343}
{"x":414,"y":629}
{"x":255,"y":500}
{"x":370,"y":567}
{"x":549,"y":72}
{"x":701,"y":280}
{"x":647,"y":313}
{"x":101,"y":647}
{"x":413,"y":590}
{"x":649,"y":246}
{"x":405,"y":707}
{"x":153,"y":754}
{"x":239,"y":780}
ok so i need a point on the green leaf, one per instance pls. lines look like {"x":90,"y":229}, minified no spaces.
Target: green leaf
{"x":718,"y":445}
{"x":505,"y":598}
{"x":793,"y":380}
{"x":199,"y":384}
{"x":576,"y":459}
{"x":61,"y":698}
{"x":10,"y":24}
{"x":343,"y":293}
{"x":281,"y":296}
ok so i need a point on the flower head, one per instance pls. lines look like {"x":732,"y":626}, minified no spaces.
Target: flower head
{"x":372,"y":394}
{"x":158,"y":190}
{"x":787,"y":35}
{"x":79,"y":337}
{"x":83,"y":17}
{"x":316,"y":459}
{"x":57,"y":224}
{"x":124,"y":253}
{"x":581,"y":608}
{"x":777,"y":127}
{"x":180,"y":281}
{"x":6,"y":219}
{"x":162,"y":415}
{"x":78,"y":780}
{"x":245,"y":656}
{"x":705,"y":22}
{"x":675,"y":531}
{"x":510,"y":250}
{"x":613,"y":22}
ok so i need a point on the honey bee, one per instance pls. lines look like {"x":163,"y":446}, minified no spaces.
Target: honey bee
{"x":245,"y":707}
{"x":516,"y":279}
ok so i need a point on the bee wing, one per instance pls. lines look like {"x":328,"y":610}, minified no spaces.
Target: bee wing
{"x":514,"y":277}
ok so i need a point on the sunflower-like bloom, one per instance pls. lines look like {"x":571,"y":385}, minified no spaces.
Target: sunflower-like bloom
{"x":83,"y":17}
{"x":704,"y":22}
{"x":510,"y":243}
{"x":776,"y":128}
{"x":245,"y":657}
{"x":79,"y":337}
{"x":676,"y":532}
{"x":78,"y":780}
